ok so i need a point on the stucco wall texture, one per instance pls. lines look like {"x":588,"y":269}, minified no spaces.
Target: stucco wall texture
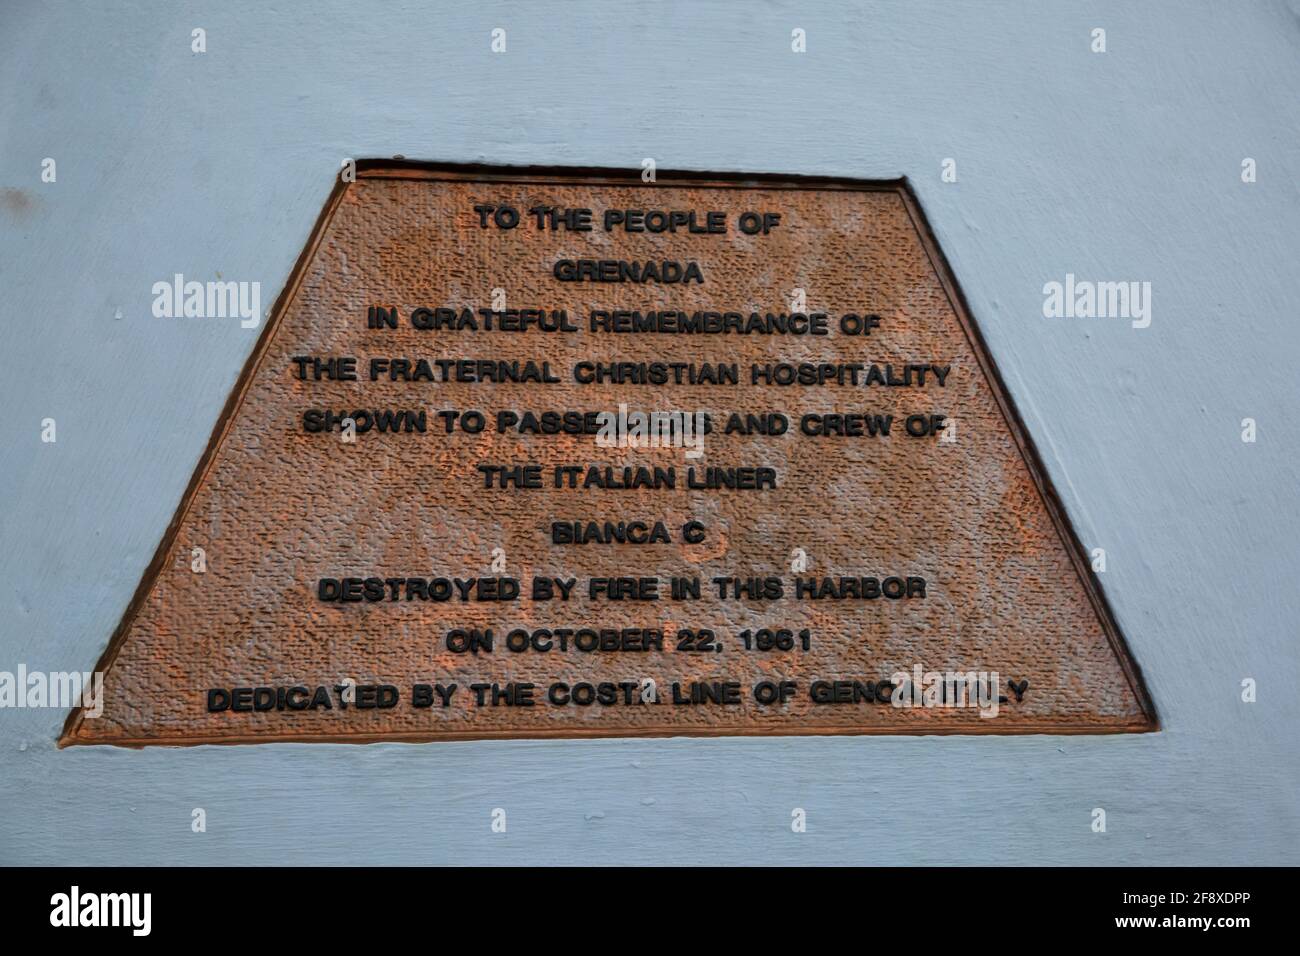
{"x":1122,"y":165}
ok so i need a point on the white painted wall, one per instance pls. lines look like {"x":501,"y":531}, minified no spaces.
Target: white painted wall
{"x":1123,"y":165}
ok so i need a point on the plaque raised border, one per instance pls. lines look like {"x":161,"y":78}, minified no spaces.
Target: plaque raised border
{"x":401,"y":169}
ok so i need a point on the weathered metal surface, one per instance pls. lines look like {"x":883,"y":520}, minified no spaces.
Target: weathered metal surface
{"x":275,"y":508}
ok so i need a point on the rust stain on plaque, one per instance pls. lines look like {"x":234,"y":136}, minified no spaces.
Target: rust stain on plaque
{"x":277,"y":508}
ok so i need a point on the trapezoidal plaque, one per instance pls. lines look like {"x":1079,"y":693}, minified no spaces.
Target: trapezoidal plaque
{"x":535,"y":454}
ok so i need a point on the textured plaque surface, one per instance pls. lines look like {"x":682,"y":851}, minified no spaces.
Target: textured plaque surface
{"x":276,"y":508}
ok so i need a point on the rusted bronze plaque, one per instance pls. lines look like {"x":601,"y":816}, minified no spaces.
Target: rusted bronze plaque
{"x":542,"y":455}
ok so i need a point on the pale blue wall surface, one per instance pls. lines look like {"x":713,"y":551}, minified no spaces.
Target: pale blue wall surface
{"x":1123,"y":165}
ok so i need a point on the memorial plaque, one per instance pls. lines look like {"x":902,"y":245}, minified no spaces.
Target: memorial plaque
{"x":526,"y":454}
